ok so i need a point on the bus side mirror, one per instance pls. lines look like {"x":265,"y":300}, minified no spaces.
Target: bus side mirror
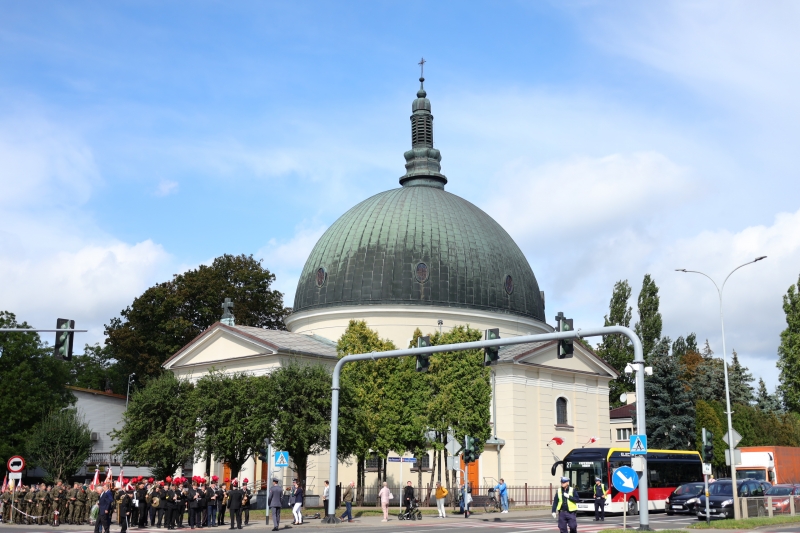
{"x":554,"y":467}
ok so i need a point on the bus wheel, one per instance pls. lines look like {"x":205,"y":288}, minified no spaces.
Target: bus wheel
{"x":633,"y":507}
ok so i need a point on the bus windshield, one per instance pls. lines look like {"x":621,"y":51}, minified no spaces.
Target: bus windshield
{"x":582,"y":473}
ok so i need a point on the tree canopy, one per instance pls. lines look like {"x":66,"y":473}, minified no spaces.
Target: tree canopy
{"x":789,"y":349}
{"x":617,"y":350}
{"x":648,"y":328}
{"x":670,"y":408}
{"x":60,"y":444}
{"x":169,"y":315}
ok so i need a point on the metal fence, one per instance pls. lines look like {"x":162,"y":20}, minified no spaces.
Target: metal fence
{"x":517,"y":495}
{"x":769,"y":506}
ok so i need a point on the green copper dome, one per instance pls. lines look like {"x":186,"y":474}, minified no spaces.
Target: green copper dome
{"x":419,"y":245}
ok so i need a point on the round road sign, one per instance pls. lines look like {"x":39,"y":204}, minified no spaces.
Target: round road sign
{"x":625,"y":479}
{"x":16,"y":464}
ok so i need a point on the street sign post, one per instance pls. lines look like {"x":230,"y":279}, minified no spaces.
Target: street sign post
{"x":638,"y":444}
{"x":15,"y":463}
{"x":452,"y":447}
{"x":736,"y":438}
{"x":626,"y":480}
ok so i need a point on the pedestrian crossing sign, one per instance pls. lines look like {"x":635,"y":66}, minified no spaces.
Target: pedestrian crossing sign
{"x":281,"y":459}
{"x":638,"y":444}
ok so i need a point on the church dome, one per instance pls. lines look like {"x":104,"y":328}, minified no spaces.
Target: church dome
{"x":419,"y":245}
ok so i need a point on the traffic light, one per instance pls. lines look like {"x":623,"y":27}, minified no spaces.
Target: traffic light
{"x":491,"y":355}
{"x":565,"y":348}
{"x":63,"y":347}
{"x":708,"y":446}
{"x":469,"y":450}
{"x":262,"y":455}
{"x":423,"y":359}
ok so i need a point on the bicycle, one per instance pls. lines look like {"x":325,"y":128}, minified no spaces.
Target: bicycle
{"x":492,"y":504}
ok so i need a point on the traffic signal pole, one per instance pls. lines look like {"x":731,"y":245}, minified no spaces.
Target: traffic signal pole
{"x":638,"y":359}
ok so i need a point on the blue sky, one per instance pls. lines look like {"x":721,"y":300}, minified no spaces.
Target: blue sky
{"x":611,"y":139}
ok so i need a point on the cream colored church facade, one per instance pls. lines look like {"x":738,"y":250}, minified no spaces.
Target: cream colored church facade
{"x":420,"y":257}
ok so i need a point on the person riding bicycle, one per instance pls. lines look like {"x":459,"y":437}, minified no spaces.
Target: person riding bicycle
{"x":502,"y":490}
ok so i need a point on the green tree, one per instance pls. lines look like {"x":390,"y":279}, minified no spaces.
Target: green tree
{"x":159,"y":426}
{"x":769,"y":403}
{"x":96,"y":369}
{"x":301,"y":418}
{"x":708,"y":380}
{"x":789,"y":350}
{"x":60,"y":444}
{"x":167,"y":316}
{"x":234,"y":414}
{"x":368,"y":423}
{"x":616,"y":350}
{"x":648,"y":328}
{"x":670,"y":410}
{"x":707,"y":416}
{"x":740,"y":382}
{"x":33,"y":383}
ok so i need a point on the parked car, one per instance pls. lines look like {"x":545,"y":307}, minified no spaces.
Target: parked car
{"x":780,"y":495}
{"x":684,"y":498}
{"x":720,"y":501}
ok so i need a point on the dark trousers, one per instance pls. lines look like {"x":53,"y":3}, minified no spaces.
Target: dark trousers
{"x":159,"y":516}
{"x":348,"y":510}
{"x":236,"y":518}
{"x":565,"y":518}
{"x":134,"y":516}
{"x":198,"y":517}
{"x":179,"y":516}
{"x":124,"y":520}
{"x":152,"y":512}
{"x":325,"y":506}
{"x":276,"y":517}
{"x":103,"y":523}
{"x":192,"y":516}
{"x":599,"y":508}
{"x":142,"y":514}
{"x":169,"y":514}
{"x":212,"y":514}
{"x":221,"y":515}
{"x":246,"y":513}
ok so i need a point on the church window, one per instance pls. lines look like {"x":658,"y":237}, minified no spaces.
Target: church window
{"x":421,"y":272}
{"x":508,"y":285}
{"x":321,"y":276}
{"x":561,"y":412}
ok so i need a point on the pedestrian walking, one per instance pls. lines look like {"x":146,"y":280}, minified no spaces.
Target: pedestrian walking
{"x":565,"y":507}
{"x":347,"y":498}
{"x":326,"y":492}
{"x":441,"y":495}
{"x":467,"y":499}
{"x":274,"y":504}
{"x":296,"y":500}
{"x":385,"y":496}
{"x":599,"y":500}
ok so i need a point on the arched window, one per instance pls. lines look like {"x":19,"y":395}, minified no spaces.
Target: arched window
{"x":561,"y":412}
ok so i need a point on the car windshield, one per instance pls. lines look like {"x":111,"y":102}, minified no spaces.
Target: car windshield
{"x":779,"y":491}
{"x":720,"y":488}
{"x":689,"y":488}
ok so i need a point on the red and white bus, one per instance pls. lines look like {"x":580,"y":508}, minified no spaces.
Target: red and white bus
{"x":667,"y":469}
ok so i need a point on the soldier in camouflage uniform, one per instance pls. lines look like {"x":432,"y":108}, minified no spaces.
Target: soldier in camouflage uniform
{"x":42,"y":500}
{"x":80,"y":505}
{"x":19,"y":503}
{"x":56,"y":499}
{"x":5,"y":502}
{"x":72,"y":496}
{"x":92,"y":497}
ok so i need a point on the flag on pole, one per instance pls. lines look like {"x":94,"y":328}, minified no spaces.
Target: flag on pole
{"x":119,"y":479}
{"x":110,"y":476}
{"x":5,"y":484}
{"x":96,"y":480}
{"x":558,"y":440}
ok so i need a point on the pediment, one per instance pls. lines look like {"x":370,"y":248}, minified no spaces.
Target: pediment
{"x":546,"y":354}
{"x":217,"y":346}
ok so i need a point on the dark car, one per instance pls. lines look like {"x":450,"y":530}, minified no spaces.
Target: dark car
{"x":684,"y":498}
{"x":720,"y":501}
{"x":780,"y":495}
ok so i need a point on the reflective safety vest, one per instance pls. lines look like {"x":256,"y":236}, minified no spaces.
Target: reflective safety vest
{"x":571,"y":506}
{"x":594,"y":490}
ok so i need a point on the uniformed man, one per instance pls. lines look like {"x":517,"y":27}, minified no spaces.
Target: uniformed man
{"x":565,"y":507}
{"x":56,"y":497}
{"x":247,"y":495}
{"x":80,"y":506}
{"x":91,"y":500}
{"x":42,"y":504}
{"x":5,"y":502}
{"x":599,"y":500}
{"x":30,"y":505}
{"x":71,"y":494}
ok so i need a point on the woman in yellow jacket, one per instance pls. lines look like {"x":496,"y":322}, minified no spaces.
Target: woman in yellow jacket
{"x":441,"y":493}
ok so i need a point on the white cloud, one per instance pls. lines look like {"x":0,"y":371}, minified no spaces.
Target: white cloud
{"x":166,"y":187}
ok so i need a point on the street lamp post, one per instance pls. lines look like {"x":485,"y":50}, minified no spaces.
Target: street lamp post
{"x":128,"y":394}
{"x":736,"y":510}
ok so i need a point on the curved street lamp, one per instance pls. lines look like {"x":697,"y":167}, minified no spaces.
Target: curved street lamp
{"x":736,"y":510}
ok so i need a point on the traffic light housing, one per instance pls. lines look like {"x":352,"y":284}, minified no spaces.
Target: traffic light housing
{"x":423,"y":359}
{"x":491,"y":355}
{"x":708,"y":446}
{"x":469,"y":450}
{"x":262,"y":455}
{"x":565,"y":347}
{"x":63,"y":347}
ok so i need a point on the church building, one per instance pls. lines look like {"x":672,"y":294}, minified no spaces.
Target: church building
{"x":418,"y":256}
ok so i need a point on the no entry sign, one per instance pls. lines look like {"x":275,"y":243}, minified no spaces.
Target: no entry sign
{"x":16,"y":464}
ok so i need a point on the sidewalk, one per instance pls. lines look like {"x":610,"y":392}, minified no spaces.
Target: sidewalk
{"x":376,"y":520}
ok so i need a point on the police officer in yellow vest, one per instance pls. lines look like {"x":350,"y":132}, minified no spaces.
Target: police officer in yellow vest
{"x":565,"y":507}
{"x":599,"y":500}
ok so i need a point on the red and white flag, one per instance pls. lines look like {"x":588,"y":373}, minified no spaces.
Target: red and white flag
{"x":110,"y":475}
{"x":5,"y":484}
{"x":119,"y":479}
{"x":96,"y":480}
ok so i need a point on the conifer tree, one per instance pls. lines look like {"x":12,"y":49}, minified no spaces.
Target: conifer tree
{"x":648,"y":328}
{"x":740,"y":382}
{"x":616,"y":350}
{"x":768,"y":403}
{"x":670,"y":409}
{"x":789,"y":350}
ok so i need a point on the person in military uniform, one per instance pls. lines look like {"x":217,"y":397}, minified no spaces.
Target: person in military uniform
{"x":30,"y":505}
{"x":92,"y":498}
{"x":80,"y":506}
{"x":56,"y":497}
{"x":71,"y":496}
{"x":5,"y":503}
{"x":42,"y":504}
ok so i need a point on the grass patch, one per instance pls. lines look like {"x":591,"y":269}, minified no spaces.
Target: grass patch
{"x":747,"y":523}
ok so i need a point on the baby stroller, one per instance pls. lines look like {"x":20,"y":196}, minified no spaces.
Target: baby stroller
{"x":412,"y":513}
